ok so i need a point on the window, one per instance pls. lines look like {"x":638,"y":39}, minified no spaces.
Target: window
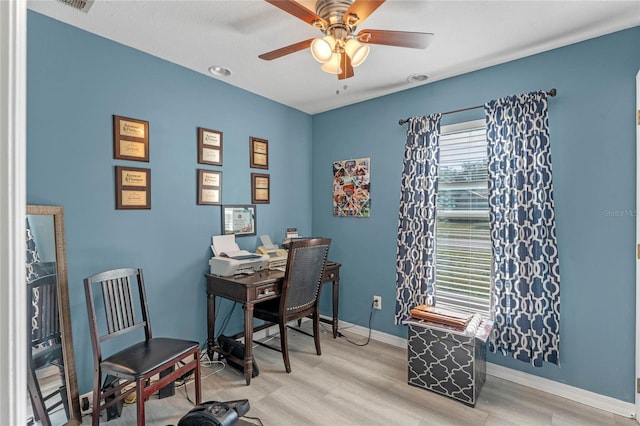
{"x":463,"y":245}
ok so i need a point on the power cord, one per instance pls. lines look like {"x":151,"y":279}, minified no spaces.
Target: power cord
{"x":188,"y":378}
{"x":368,"y":337}
{"x":186,"y":393}
{"x":226,"y":319}
{"x":253,"y":418}
{"x":210,"y":363}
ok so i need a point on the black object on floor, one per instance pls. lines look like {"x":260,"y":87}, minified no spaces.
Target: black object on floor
{"x":215,"y":413}
{"x":229,"y":349}
{"x":115,"y":410}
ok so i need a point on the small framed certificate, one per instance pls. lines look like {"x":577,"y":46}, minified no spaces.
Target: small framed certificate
{"x":238,"y":219}
{"x":209,"y":147}
{"x":133,"y":188}
{"x":130,"y":139}
{"x":260,"y":188}
{"x":209,"y":187}
{"x":258,"y":153}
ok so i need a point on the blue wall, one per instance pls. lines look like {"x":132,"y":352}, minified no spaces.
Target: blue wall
{"x":592,"y":126}
{"x":76,"y":82}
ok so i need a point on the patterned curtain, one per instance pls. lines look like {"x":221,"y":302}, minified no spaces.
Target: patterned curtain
{"x":33,"y":272}
{"x":415,"y":267}
{"x":523,"y":232}
{"x":33,"y":259}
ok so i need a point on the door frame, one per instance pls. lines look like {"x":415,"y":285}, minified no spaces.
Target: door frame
{"x":637,"y":121}
{"x":13,"y":297}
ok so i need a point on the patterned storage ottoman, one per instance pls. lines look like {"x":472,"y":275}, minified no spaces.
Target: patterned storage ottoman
{"x":448,"y":361}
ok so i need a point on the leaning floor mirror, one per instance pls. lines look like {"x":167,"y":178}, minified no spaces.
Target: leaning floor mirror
{"x":51,"y":370}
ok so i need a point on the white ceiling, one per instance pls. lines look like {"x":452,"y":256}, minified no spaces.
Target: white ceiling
{"x":469,"y":35}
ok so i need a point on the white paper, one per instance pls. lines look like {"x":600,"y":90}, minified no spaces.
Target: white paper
{"x":266,"y":242}
{"x":226,"y":246}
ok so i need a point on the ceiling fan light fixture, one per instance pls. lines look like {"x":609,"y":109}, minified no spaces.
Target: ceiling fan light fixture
{"x":340,"y":49}
{"x":333,"y":65}
{"x":356,"y":51}
{"x":322,"y":49}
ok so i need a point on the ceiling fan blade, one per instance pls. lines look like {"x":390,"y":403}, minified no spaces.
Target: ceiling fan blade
{"x":299,"y":11}
{"x":362,"y":9}
{"x":292,"y":48}
{"x":345,"y":65}
{"x":396,"y":38}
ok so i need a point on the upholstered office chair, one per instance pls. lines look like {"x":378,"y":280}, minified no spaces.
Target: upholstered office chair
{"x":45,"y":347}
{"x":300,"y":291}
{"x":121,"y":308}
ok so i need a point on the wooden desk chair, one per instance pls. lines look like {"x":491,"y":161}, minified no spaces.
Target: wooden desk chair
{"x":300,"y":290}
{"x":45,"y":346}
{"x":123,"y":309}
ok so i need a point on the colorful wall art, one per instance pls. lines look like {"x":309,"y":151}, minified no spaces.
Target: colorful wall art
{"x":351,"y":186}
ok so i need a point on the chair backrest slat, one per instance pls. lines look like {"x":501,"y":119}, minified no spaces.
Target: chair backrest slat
{"x":106,"y":288}
{"x":129,"y":312}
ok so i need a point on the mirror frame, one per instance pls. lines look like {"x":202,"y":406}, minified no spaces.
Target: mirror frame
{"x":63,"y":306}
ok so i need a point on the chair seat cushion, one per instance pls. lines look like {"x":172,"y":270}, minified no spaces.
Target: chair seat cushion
{"x":141,"y":358}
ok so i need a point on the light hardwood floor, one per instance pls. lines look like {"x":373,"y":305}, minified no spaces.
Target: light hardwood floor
{"x":361,"y":385}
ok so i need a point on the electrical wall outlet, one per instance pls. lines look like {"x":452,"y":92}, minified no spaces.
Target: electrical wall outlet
{"x":85,"y":406}
{"x":377,"y":302}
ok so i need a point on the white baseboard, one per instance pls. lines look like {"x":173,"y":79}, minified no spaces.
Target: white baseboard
{"x":592,"y":399}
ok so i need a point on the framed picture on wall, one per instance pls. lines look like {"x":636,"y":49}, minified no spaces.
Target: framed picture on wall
{"x":260,"y":188}
{"x":258,"y":153}
{"x":238,"y":219}
{"x":209,"y":187}
{"x":209,"y":147}
{"x":351,"y":185}
{"x":130,"y":139}
{"x":133,"y":188}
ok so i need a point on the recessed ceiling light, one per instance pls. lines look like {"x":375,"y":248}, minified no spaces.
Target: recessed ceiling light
{"x":417,"y":78}
{"x":219,"y":71}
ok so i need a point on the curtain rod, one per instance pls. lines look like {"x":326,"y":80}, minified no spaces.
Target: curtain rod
{"x":402,"y":121}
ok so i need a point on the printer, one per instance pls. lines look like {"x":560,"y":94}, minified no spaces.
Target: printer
{"x":277,"y":256}
{"x":229,"y":260}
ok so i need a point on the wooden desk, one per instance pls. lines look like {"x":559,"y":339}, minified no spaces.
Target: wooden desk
{"x":251,"y":289}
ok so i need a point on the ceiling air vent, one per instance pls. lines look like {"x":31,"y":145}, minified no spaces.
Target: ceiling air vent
{"x":81,"y":5}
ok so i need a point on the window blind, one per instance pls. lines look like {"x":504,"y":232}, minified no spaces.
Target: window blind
{"x":463,"y":247}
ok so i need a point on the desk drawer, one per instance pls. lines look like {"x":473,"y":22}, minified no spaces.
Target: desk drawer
{"x":267,"y":290}
{"x":331,"y":273}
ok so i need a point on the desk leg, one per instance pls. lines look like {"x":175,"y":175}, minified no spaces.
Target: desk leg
{"x":248,"y":342}
{"x":211,"y":325}
{"x":335,"y":287}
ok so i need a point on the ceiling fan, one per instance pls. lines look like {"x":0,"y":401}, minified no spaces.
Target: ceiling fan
{"x":341,"y":48}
